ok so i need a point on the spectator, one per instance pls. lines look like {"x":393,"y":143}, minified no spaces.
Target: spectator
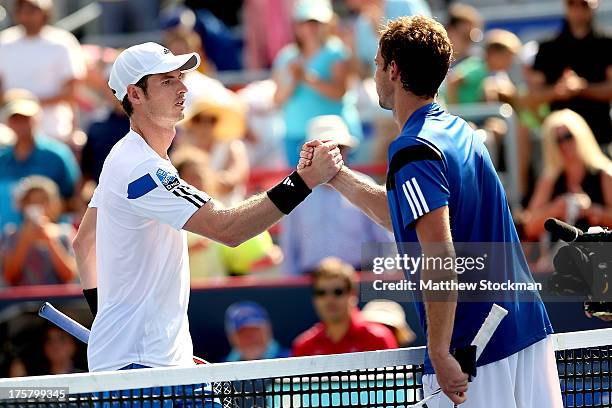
{"x":183,"y":40}
{"x":205,"y":258}
{"x":223,"y":48}
{"x":208,"y":258}
{"x":477,"y":80}
{"x":267,"y":27}
{"x":390,"y":314}
{"x":342,"y":328}
{"x":372,"y":14}
{"x":128,"y":16}
{"x":215,"y":124}
{"x":326,"y":224}
{"x":32,"y":154}
{"x":40,"y":251}
{"x":45,"y":60}
{"x":249,"y":332}
{"x":464,"y":28}
{"x":95,"y":99}
{"x":101,"y":137}
{"x":312,"y":76}
{"x":17,"y":368}
{"x":265,"y":126}
{"x":60,"y":349}
{"x":576,"y":183}
{"x":574,"y":70}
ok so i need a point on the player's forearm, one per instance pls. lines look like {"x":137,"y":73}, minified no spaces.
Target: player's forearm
{"x":440,"y":305}
{"x":366,"y":195}
{"x":248,"y":219}
{"x":440,"y":319}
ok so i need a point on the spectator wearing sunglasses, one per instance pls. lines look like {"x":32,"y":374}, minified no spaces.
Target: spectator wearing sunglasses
{"x":342,"y":328}
{"x":574,"y":70}
{"x":576,"y":182}
{"x":216,"y":124}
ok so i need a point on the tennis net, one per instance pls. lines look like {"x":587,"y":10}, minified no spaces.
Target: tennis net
{"x":390,"y":378}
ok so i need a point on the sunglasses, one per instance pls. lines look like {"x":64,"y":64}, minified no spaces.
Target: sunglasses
{"x":337,"y":292}
{"x":205,"y":119}
{"x":565,"y":137}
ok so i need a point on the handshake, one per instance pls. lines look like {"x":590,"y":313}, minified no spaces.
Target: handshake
{"x":319,"y":162}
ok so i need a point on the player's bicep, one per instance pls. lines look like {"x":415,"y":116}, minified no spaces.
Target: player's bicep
{"x":434,"y":227}
{"x":420,"y":181}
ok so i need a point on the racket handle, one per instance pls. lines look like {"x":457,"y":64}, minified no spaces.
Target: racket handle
{"x":487,"y":329}
{"x":64,"y":322}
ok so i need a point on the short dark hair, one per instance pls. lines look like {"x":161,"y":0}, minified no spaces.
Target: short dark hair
{"x":422,"y":51}
{"x":331,"y":268}
{"x":126,"y":104}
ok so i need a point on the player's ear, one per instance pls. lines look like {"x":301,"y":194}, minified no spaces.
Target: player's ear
{"x":393,"y":71}
{"x":135,"y":94}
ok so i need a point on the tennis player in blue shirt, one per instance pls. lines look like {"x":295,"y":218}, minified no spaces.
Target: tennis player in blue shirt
{"x":442,"y":189}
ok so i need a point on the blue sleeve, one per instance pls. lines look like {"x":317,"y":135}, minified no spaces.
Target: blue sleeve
{"x":421,"y":185}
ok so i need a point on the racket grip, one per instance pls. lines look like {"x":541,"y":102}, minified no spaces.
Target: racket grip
{"x":66,"y":323}
{"x":466,"y":357}
{"x":489,"y":326}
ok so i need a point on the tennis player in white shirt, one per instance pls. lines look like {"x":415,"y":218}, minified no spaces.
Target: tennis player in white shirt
{"x":130,"y":245}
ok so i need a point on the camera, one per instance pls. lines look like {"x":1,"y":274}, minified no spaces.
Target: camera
{"x":583,"y":266}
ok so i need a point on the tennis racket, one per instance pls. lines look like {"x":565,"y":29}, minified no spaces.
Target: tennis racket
{"x":64,"y":322}
{"x":481,"y":340}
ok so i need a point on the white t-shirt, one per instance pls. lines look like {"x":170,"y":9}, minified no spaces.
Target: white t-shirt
{"x":42,"y":65}
{"x":142,"y":261}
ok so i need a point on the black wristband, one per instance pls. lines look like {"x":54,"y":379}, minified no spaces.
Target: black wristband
{"x":91,"y":295}
{"x":289,"y":193}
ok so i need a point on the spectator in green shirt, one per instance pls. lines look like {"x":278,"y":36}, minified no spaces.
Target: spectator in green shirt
{"x":477,"y":80}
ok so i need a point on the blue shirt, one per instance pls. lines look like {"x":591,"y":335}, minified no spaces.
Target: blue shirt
{"x":437,"y":160}
{"x":49,"y":158}
{"x":101,"y":137}
{"x":306,"y":103}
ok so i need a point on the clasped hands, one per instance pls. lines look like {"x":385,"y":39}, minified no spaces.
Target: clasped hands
{"x":319,"y":162}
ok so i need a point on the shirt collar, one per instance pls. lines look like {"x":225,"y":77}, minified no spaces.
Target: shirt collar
{"x":418,"y":116}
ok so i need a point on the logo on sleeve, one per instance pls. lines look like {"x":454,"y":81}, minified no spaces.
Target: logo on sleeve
{"x":168,"y":180}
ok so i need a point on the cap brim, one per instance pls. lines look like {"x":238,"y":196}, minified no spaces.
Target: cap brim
{"x":183,"y":63}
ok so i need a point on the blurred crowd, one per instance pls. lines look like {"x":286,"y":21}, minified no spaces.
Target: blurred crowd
{"x":59,"y":121}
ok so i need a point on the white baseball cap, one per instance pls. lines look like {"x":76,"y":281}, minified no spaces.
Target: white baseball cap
{"x":315,"y":10}
{"x":146,"y":59}
{"x":331,"y":127}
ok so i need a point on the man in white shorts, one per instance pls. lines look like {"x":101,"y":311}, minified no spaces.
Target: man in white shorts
{"x":130,"y":245}
{"x":442,"y":190}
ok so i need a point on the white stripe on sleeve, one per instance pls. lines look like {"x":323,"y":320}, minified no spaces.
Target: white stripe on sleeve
{"x":415,"y":200}
{"x":409,"y":201}
{"x":420,"y":193}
